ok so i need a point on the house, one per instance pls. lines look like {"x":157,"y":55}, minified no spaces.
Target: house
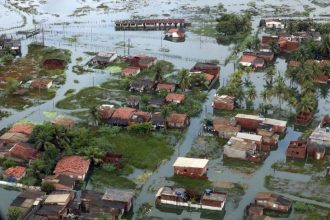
{"x":122,"y":116}
{"x":141,"y":61}
{"x":266,"y":56}
{"x":303,"y":118}
{"x":248,"y":121}
{"x":253,"y":138}
{"x":73,"y":166}
{"x":209,"y":68}
{"x":140,"y":117}
{"x":14,"y":174}
{"x":174,"y":33}
{"x":64,"y":121}
{"x":158,"y":121}
{"x":209,"y":200}
{"x":133,"y":101}
{"x":273,"y":201}
{"x":168,"y":87}
{"x":176,"y":120}
{"x":56,"y":205}
{"x":22,"y":153}
{"x":278,"y":126}
{"x":28,"y":202}
{"x":209,"y":78}
{"x":13,"y":137}
{"x":274,"y":24}
{"x":156,"y":102}
{"x":25,"y":129}
{"x":175,"y":98}
{"x":269,"y":137}
{"x":253,"y":211}
{"x":113,"y":202}
{"x":142,"y":85}
{"x":223,"y":102}
{"x":321,"y":134}
{"x":239,"y":148}
{"x":60,"y":182}
{"x":41,"y":83}
{"x":131,"y":71}
{"x":192,"y":167}
{"x":248,"y":59}
{"x":297,"y":149}
{"x":105,"y":112}
{"x":315,"y":150}
{"x":225,"y":128}
{"x":255,"y":59}
{"x":105,"y":58}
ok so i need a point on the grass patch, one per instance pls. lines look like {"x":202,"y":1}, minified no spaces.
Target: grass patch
{"x":207,"y":147}
{"x":116,"y":84}
{"x":69,"y":92}
{"x":196,"y":185}
{"x":143,"y":152}
{"x":103,"y":179}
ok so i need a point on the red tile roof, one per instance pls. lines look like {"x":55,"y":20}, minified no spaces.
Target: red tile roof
{"x":17,"y":172}
{"x":177,"y":118}
{"x":175,"y":97}
{"x":131,"y":70}
{"x":209,"y":77}
{"x":22,"y":152}
{"x":166,"y":86}
{"x":146,"y":115}
{"x":64,"y":121}
{"x":123,"y":113}
{"x":248,"y":58}
{"x":105,"y":111}
{"x":22,"y":128}
{"x":72,"y":164}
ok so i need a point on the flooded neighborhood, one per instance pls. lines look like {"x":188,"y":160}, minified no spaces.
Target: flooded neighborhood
{"x":201,"y":109}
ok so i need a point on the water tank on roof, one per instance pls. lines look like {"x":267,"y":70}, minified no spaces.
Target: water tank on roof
{"x":208,"y":191}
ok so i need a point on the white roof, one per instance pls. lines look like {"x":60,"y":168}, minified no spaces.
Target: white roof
{"x":106,"y":54}
{"x":254,"y":117}
{"x":247,"y":136}
{"x":57,"y":198}
{"x":190,"y":162}
{"x":275,"y":122}
{"x":240,"y":144}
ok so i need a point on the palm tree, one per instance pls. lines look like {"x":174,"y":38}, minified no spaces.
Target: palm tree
{"x":325,"y":45}
{"x":94,"y":116}
{"x":270,"y":73}
{"x":93,"y":153}
{"x":274,"y":47}
{"x":307,"y":103}
{"x":280,"y":89}
{"x":165,"y":112}
{"x":159,"y":73}
{"x":251,"y":93}
{"x":184,"y":79}
{"x":293,"y":102}
{"x":248,"y":70}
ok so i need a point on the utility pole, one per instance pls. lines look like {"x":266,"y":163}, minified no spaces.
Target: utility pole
{"x":128,"y":47}
{"x":43,"y":36}
{"x":161,"y":39}
{"x":124,"y":43}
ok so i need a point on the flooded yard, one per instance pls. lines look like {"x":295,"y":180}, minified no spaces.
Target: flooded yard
{"x":85,"y":27}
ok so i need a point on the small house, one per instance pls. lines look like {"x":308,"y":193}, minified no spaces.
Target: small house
{"x":122,"y":116}
{"x":14,"y":174}
{"x":266,"y":56}
{"x":274,"y":24}
{"x":248,"y":59}
{"x":145,"y":62}
{"x":269,"y":137}
{"x":225,"y":128}
{"x":22,"y":153}
{"x":104,"y":58}
{"x":297,"y":149}
{"x":60,"y":182}
{"x":41,"y":83}
{"x":156,"y":102}
{"x":253,"y":211}
{"x":209,"y":68}
{"x":56,"y":205}
{"x":105,"y":112}
{"x":175,"y":98}
{"x":13,"y":137}
{"x":28,"y":201}
{"x":223,"y":102}
{"x":192,"y":167}
{"x":321,"y":134}
{"x":25,"y":129}
{"x":131,"y":71}
{"x":248,"y":121}
{"x":119,"y":197}
{"x":142,"y":85}
{"x":140,"y":117}
{"x":54,"y":64}
{"x":133,"y":101}
{"x":278,"y":126}
{"x":176,"y":120}
{"x":253,"y":138}
{"x":168,"y":87}
{"x":174,"y":33}
{"x":239,"y":148}
{"x":64,"y":121}
{"x":273,"y":201}
{"x":158,"y":121}
{"x":74,"y":166}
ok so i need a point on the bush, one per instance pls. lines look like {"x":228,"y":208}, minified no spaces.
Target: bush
{"x":8,"y":163}
{"x":14,"y":213}
{"x":143,"y":128}
{"x":47,"y":187}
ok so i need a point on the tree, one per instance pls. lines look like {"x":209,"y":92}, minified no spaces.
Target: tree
{"x":140,"y":128}
{"x":274,"y":47}
{"x":12,"y":86}
{"x":42,"y":134}
{"x":47,"y":187}
{"x":94,"y":116}
{"x":280,"y":90}
{"x":251,"y":93}
{"x":307,"y":103}
{"x":14,"y":213}
{"x":93,"y":153}
{"x":270,"y":73}
{"x":184,"y":79}
{"x":165,"y":113}
{"x":325,"y":45}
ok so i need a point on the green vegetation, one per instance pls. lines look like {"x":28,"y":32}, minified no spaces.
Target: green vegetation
{"x":241,"y":165}
{"x":207,"y":147}
{"x":47,"y":187}
{"x":103,"y":178}
{"x":310,"y":211}
{"x":233,"y":28}
{"x":196,"y":185}
{"x":4,"y":114}
{"x":14,"y":213}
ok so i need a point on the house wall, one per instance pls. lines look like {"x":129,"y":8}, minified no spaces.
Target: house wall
{"x":248,"y":123}
{"x":188,"y":171}
{"x":272,"y":206}
{"x":221,"y":105}
{"x":296,"y":152}
{"x":72,"y":175}
{"x":234,"y":153}
{"x":227,"y":134}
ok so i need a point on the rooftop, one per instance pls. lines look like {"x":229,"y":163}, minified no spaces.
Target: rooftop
{"x":58,"y":198}
{"x":215,"y":196}
{"x":240,"y":144}
{"x":118,"y":195}
{"x":74,"y":164}
{"x":23,"y":152}
{"x":252,"y":117}
{"x":17,"y":171}
{"x":123,"y":113}
{"x":22,"y":128}
{"x":14,"y":137}
{"x":64,"y":121}
{"x":247,"y":136}
{"x":177,"y":118}
{"x":175,"y":97}
{"x":190,"y":162}
{"x":275,"y":122}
